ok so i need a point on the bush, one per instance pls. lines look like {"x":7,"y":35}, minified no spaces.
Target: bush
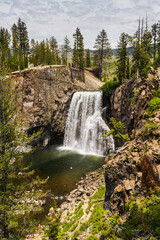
{"x":149,"y":129}
{"x":154,"y":105}
{"x":156,"y":93}
{"x":144,"y":218}
{"x":109,"y":86}
{"x":117,"y":130}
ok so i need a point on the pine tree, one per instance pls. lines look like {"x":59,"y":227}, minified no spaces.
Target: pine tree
{"x":157,"y":57}
{"x":20,"y":44}
{"x":158,"y":39}
{"x":32,"y":58}
{"x":154,"y":34}
{"x":66,"y":50}
{"x":17,"y":192}
{"x":4,"y":45}
{"x":42,"y":52}
{"x":37,"y":53}
{"x":15,"y":57}
{"x":123,"y":57}
{"x":78,"y":50}
{"x":48,"y":54}
{"x":103,"y":50}
{"x":23,"y":40}
{"x":128,"y":67}
{"x":136,"y":52}
{"x":142,"y":51}
{"x":88,"y":58}
{"x":54,"y":49}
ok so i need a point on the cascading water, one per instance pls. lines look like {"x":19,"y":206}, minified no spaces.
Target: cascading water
{"x":85,"y":126}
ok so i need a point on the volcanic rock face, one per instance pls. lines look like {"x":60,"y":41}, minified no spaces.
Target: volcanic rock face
{"x":130,"y":100}
{"x":44,"y":94}
{"x":125,"y":173}
{"x":123,"y":176}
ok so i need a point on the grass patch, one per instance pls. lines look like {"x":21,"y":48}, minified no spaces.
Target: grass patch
{"x":154,"y":103}
{"x":144,"y":218}
{"x":149,"y":129}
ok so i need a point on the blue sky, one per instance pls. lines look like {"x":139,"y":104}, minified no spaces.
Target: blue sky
{"x":61,"y":17}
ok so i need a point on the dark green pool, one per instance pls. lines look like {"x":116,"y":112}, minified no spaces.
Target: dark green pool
{"x":64,"y":168}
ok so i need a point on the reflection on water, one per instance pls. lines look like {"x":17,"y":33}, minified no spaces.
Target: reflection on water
{"x":64,"y":168}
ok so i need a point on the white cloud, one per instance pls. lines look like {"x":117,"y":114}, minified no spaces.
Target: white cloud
{"x":61,"y":17}
{"x":124,"y":4}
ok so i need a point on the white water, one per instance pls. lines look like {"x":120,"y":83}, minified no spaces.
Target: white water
{"x":85,"y":126}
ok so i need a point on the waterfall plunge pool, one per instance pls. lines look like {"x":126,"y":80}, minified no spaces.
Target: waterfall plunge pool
{"x":64,"y":169}
{"x":83,"y":134}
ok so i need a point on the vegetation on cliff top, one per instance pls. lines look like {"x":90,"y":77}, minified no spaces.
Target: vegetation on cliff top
{"x":135,"y":53}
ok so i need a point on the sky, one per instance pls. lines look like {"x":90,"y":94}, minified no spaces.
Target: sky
{"x":58,"y":18}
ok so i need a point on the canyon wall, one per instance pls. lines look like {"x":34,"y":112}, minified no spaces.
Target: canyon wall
{"x":130,"y":100}
{"x":123,"y":174}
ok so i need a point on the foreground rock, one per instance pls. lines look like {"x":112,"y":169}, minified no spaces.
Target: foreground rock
{"x":126,"y":176}
{"x":79,"y":200}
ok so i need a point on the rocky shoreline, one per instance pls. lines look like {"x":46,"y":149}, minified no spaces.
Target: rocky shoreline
{"x":85,"y":189}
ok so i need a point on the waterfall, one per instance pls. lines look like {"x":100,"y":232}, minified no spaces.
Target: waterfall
{"x":85,"y":126}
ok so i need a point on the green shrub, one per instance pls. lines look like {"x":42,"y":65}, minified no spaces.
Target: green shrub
{"x":109,"y":86}
{"x":156,"y":93}
{"x":144,"y":217}
{"x":149,"y":129}
{"x":154,"y":104}
{"x":84,"y":226}
{"x":116,"y":130}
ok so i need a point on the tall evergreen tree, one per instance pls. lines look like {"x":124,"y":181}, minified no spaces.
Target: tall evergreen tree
{"x":23,"y":36}
{"x":123,"y":57}
{"x":142,"y":51}
{"x":42,"y":53}
{"x":103,"y":50}
{"x":4,"y":45}
{"x":157,"y":58}
{"x":154,"y":34}
{"x":54,"y":49}
{"x":15,"y":47}
{"x":20,"y":43}
{"x":88,"y":58}
{"x":66,"y":50}
{"x":48,"y":53}
{"x":32,"y":57}
{"x":78,"y":50}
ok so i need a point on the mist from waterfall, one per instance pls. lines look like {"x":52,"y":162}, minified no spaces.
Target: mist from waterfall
{"x":85,"y":126}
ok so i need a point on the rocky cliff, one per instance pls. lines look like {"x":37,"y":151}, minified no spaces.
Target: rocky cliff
{"x":44,"y":94}
{"x":123,"y":173}
{"x":130,"y":100}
